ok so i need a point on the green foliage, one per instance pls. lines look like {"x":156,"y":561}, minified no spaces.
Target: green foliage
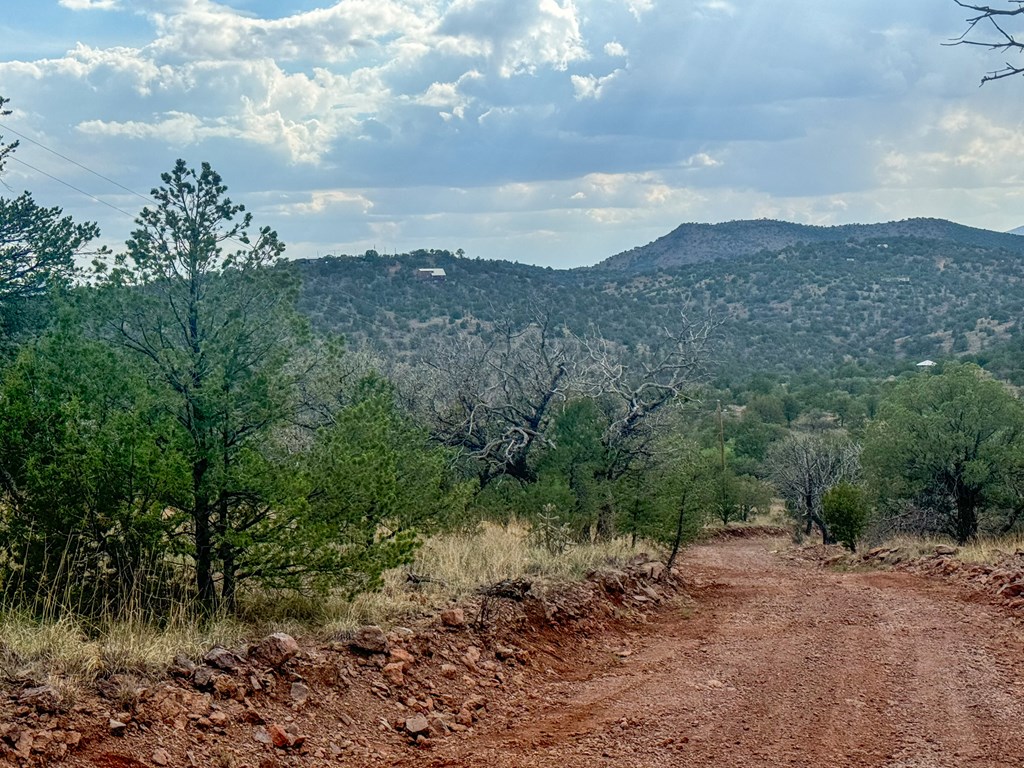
{"x":375,"y":486}
{"x":38,"y":247}
{"x":941,"y":443}
{"x":680,"y":494}
{"x":845,"y":510}
{"x":800,"y":307}
{"x":218,"y":329}
{"x":86,"y":458}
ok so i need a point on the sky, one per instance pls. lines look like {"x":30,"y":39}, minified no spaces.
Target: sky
{"x":551,"y":132}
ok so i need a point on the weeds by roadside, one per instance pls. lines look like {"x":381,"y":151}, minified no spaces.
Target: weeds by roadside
{"x":71,"y":654}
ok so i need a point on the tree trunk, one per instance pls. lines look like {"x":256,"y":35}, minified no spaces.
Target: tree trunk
{"x":226,"y":552}
{"x":606,"y":519}
{"x":678,"y":541}
{"x":966,"y":519}
{"x":205,"y":590}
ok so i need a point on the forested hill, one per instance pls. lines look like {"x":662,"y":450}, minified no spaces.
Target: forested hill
{"x":804,"y":306}
{"x":697,"y":243}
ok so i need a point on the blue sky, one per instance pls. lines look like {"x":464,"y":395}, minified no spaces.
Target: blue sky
{"x":554,"y":132}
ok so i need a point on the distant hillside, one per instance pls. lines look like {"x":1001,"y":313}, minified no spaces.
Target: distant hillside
{"x":812,"y":305}
{"x":699,"y":243}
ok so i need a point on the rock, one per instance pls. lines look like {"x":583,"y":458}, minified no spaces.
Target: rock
{"x":504,"y":653}
{"x":160,"y":757}
{"x":218,"y":719}
{"x":23,"y":744}
{"x":449,"y":670}
{"x":416,"y":725}
{"x":299,"y":693}
{"x":117,"y":727}
{"x":471,"y":657}
{"x":945,"y":549}
{"x":203,"y":677}
{"x":464,"y":717}
{"x":182,"y":666}
{"x":279,"y":737}
{"x":654,"y":570}
{"x":227,"y":687}
{"x":1013,"y":589}
{"x":611,"y":580}
{"x":651,"y":593}
{"x":369,"y":639}
{"x":400,"y":654}
{"x":453,"y":617}
{"x":262,"y":736}
{"x":43,"y":698}
{"x":274,"y":650}
{"x":474,"y":702}
{"x":221,"y":658}
{"x":394,"y":673}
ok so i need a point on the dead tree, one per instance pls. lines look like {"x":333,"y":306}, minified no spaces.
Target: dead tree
{"x":1002,"y":39}
{"x":638,"y":389}
{"x":494,"y":398}
{"x":803,"y":467}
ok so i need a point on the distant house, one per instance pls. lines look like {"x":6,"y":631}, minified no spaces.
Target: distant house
{"x":431,"y":275}
{"x":927,"y":364}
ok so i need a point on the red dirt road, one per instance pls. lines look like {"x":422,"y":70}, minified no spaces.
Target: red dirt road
{"x":779,"y":663}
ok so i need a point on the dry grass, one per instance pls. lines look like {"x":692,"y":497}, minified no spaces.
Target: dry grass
{"x":984,"y":550}
{"x":454,"y":566}
{"x":72,"y":655}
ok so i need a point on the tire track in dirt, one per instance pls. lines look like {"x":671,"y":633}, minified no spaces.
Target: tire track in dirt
{"x":779,"y":664}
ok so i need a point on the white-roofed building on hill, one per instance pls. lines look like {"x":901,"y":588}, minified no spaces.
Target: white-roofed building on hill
{"x":433,"y":275}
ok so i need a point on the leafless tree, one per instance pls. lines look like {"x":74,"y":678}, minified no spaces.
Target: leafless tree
{"x":494,"y":397}
{"x":987,"y":29}
{"x":804,"y":466}
{"x":640,"y":385}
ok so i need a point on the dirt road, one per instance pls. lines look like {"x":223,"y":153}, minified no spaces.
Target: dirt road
{"x":779,"y":663}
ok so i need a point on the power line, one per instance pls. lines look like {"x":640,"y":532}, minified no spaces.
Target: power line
{"x":73,"y":162}
{"x":71,"y":186}
{"x":89,"y":170}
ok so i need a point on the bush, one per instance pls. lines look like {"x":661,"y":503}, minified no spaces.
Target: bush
{"x":845,"y":510}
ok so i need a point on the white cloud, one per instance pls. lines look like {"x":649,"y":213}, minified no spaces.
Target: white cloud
{"x":517,"y":37}
{"x":701,"y":160}
{"x":323,"y":201}
{"x":639,"y":7}
{"x":590,"y":86}
{"x":174,"y":128}
{"x":90,"y":5}
{"x":615,"y":48}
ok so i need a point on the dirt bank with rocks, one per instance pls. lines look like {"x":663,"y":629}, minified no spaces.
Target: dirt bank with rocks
{"x":360,"y":698}
{"x":767,"y":658}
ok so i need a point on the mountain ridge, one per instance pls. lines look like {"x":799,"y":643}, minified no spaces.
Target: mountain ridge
{"x":695,"y":243}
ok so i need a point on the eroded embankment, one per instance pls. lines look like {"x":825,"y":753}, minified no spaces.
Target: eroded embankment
{"x":781,"y":662}
{"x":363,"y":698}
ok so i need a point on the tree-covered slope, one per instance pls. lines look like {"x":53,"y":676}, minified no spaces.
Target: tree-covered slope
{"x":698,"y":243}
{"x":807,"y":305}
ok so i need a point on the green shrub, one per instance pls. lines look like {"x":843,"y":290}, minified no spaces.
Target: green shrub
{"x":845,"y":510}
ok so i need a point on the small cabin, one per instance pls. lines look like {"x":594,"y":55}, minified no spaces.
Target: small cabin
{"x":431,"y":275}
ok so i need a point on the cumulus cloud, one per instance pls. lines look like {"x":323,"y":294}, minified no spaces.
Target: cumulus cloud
{"x":522,"y":122}
{"x":518,"y":37}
